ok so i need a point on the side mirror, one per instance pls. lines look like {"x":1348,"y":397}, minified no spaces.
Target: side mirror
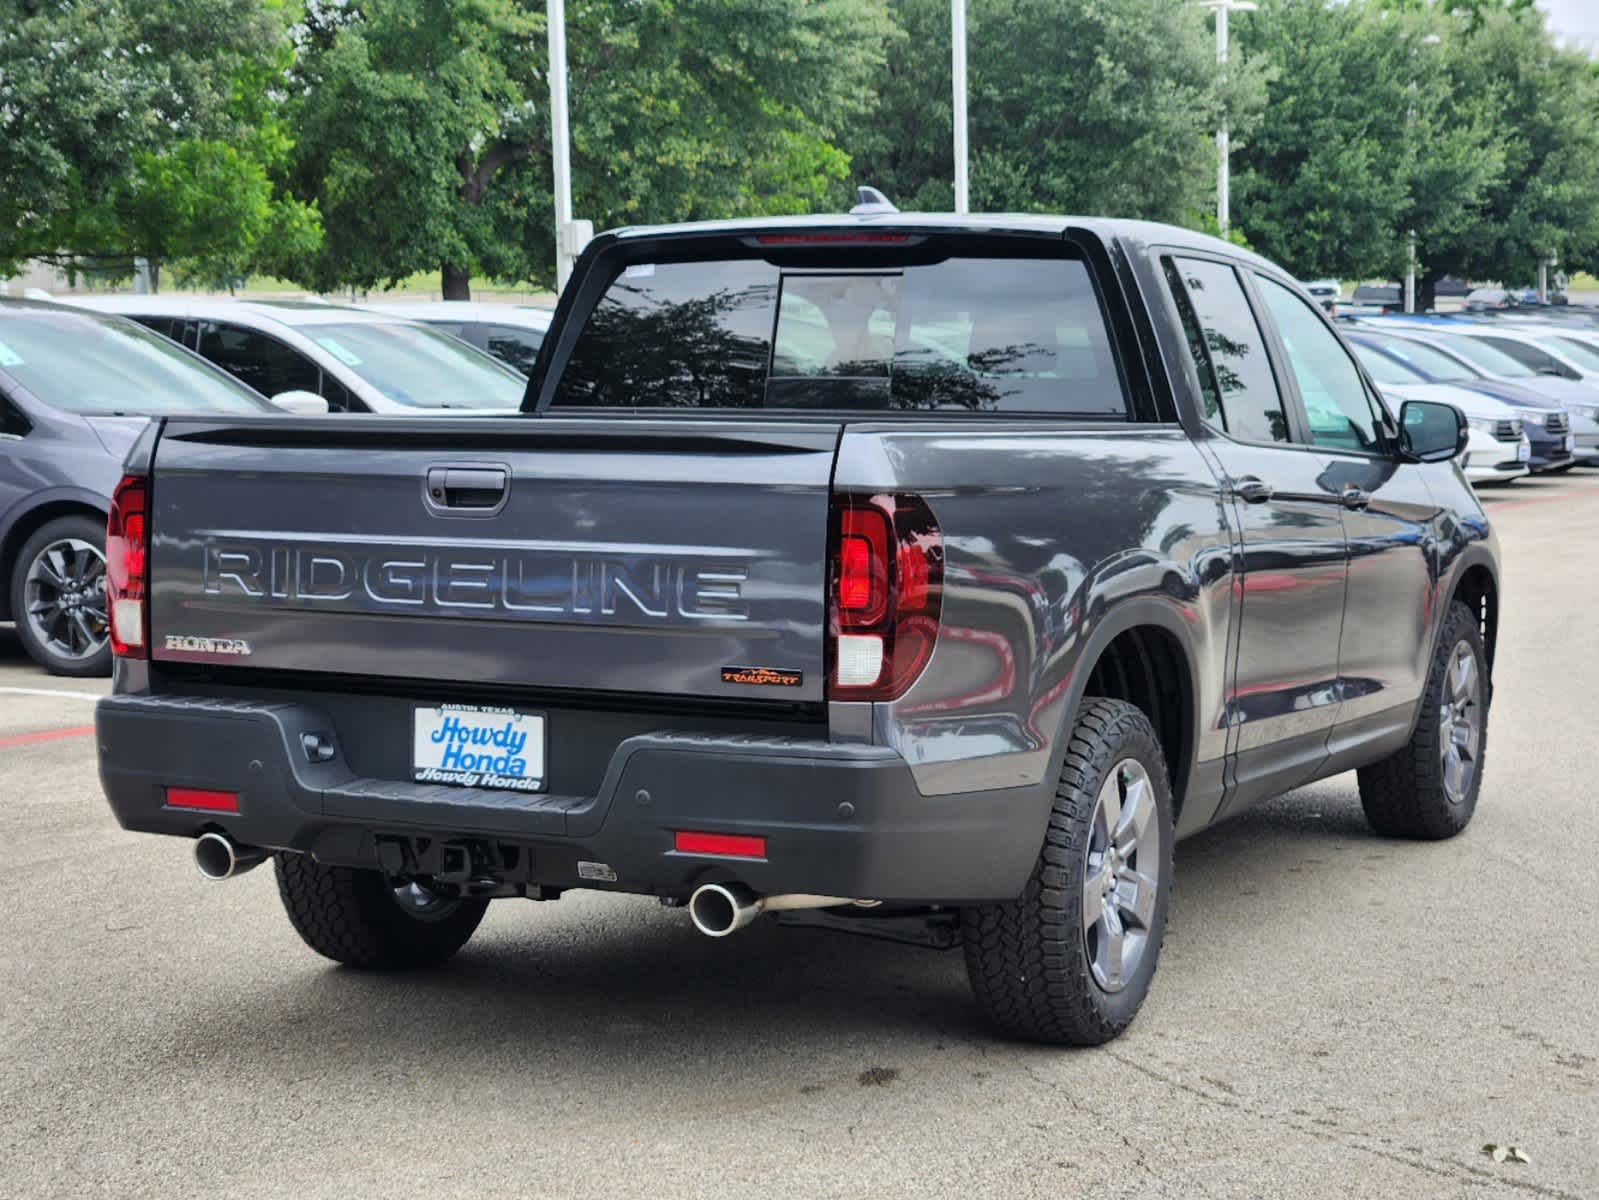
{"x":1432,"y":432}
{"x":307,"y":404}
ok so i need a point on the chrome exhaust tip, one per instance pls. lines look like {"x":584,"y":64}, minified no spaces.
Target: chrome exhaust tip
{"x":217,"y":857}
{"x":719,"y":909}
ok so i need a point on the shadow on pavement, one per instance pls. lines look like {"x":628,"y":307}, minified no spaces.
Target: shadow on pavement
{"x":627,"y":991}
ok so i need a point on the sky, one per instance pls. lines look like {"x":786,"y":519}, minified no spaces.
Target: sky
{"x":1574,"y":19}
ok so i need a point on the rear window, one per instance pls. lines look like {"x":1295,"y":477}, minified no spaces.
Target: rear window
{"x":992,"y":335}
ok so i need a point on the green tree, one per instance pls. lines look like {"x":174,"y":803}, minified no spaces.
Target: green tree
{"x":1087,"y":106}
{"x":425,"y":134}
{"x":1545,"y":201}
{"x":1366,"y":136}
{"x":143,"y":127}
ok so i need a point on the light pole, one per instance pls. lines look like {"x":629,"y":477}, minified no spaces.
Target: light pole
{"x":957,"y":17}
{"x":1432,"y":39}
{"x":570,"y":235}
{"x":1223,"y":136}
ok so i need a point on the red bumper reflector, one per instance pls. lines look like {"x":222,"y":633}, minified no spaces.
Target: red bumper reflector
{"x":733,"y":845}
{"x":202,"y":799}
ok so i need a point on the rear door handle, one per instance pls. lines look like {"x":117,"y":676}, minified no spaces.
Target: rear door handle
{"x":1252,"y":490}
{"x":1353,"y":497}
{"x":471,"y":489}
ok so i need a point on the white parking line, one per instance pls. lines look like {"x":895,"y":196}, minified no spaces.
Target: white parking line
{"x":20,"y":691}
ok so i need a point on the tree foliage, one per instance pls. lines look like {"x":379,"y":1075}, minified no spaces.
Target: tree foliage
{"x":1086,"y":106}
{"x":679,"y":109}
{"x":1461,"y":122}
{"x":145,"y":127}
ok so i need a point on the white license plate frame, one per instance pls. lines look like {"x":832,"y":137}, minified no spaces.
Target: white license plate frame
{"x":470,"y":745}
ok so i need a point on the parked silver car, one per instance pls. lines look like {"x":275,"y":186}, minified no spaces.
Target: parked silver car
{"x":356,"y":360}
{"x":511,"y":333}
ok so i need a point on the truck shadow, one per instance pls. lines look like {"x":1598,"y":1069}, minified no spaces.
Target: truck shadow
{"x":617,"y":990}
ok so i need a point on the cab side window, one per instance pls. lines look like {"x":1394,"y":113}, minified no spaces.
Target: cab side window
{"x":1338,"y":409}
{"x":1238,"y":389}
{"x":263,"y":362}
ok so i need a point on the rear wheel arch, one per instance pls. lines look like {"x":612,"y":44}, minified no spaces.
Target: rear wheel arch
{"x":1478,"y":589}
{"x":1141,"y":653}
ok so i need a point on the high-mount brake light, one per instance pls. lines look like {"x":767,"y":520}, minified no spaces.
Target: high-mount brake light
{"x":127,"y":558}
{"x":839,"y":238}
{"x":886,"y":591}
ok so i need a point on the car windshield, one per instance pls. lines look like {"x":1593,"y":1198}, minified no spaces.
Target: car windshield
{"x":1581,"y":353}
{"x":420,"y":367}
{"x":1432,"y":363}
{"x":1384,"y":369}
{"x":98,"y":365}
{"x":1484,"y":357}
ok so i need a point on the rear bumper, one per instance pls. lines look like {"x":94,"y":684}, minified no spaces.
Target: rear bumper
{"x":838,"y":819}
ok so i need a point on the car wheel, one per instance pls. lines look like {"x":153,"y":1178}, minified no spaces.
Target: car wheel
{"x":1429,"y":787}
{"x":58,"y":597}
{"x":1070,"y":960}
{"x":364,"y":919}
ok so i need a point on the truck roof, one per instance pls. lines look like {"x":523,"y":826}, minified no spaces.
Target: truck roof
{"x":1141,"y":233}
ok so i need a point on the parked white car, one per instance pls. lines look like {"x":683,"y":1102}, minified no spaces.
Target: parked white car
{"x":511,"y":333}
{"x":1498,"y":449}
{"x":356,"y":360}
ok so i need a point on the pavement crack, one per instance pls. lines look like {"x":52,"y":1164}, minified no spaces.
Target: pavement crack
{"x":1467,"y":1174}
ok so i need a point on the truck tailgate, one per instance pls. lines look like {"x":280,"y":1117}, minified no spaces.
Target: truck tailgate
{"x":673,"y":557}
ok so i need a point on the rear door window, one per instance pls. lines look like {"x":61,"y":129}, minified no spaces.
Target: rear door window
{"x":513,"y":346}
{"x":263,"y":362}
{"x":1236,"y":383}
{"x":978,"y":334}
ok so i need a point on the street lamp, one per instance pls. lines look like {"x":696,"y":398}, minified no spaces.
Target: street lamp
{"x":1431,"y":39}
{"x":957,"y":17}
{"x":570,"y":236}
{"x":1222,"y":8}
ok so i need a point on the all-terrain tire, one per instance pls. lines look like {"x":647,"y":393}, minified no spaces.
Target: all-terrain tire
{"x":1405,"y":795}
{"x":1028,"y":959}
{"x":353,"y":916}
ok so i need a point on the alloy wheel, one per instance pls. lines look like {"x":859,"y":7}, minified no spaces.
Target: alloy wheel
{"x":63,"y":597}
{"x":1121,"y":876}
{"x":1460,"y":723}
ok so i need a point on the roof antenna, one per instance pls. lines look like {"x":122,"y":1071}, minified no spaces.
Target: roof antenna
{"x":870,"y":202}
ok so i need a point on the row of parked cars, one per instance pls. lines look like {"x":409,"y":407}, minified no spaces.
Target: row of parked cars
{"x":79,"y":381}
{"x":1529,"y":386}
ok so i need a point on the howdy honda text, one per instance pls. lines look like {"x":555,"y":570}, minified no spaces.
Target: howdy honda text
{"x":548,"y":581}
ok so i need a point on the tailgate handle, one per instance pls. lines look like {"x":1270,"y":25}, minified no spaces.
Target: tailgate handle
{"x":477,"y":488}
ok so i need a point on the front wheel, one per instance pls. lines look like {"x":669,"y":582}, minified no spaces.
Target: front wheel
{"x":363,"y":919}
{"x":1070,"y":960}
{"x":1428,"y":788}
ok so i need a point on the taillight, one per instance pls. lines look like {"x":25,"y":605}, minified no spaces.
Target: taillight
{"x":127,"y":546}
{"x":885,"y":592}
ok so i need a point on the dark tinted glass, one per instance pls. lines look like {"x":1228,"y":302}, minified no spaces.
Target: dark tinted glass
{"x":975,"y":334}
{"x":1330,"y":387}
{"x":263,"y":362}
{"x":512,"y":346}
{"x":12,"y":422}
{"x":1235,"y":350}
{"x":171,"y":327}
{"x":1529,"y":355}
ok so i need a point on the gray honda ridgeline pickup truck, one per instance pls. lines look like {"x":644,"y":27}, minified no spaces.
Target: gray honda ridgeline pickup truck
{"x":921,"y":577}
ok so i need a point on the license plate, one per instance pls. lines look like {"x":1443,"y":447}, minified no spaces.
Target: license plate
{"x":1523,"y":452}
{"x":1571,"y":442}
{"x":468,"y":746}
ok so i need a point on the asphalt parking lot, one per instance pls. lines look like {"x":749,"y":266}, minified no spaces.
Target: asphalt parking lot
{"x":1334,"y":1014}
